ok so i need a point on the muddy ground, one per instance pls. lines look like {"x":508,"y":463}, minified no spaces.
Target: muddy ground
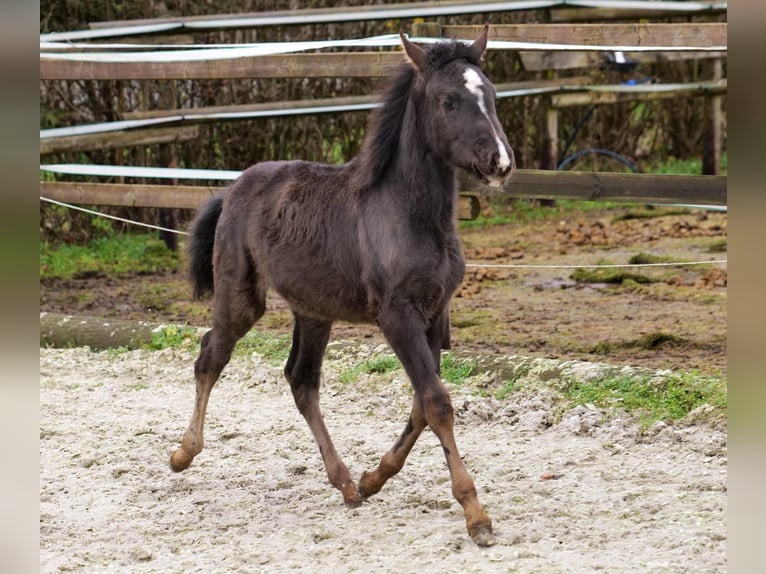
{"x":660,"y":317}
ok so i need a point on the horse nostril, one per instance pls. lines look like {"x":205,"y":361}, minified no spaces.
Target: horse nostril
{"x":494,"y":161}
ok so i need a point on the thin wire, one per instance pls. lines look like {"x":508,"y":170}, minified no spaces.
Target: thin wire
{"x":595,"y":266}
{"x":475,"y":265}
{"x":92,"y":212}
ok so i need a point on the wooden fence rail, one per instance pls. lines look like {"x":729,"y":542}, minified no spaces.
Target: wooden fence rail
{"x":696,"y":35}
{"x":381,"y":63}
{"x":538,"y":184}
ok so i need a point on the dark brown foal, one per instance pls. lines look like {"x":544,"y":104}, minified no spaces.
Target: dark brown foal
{"x":372,"y":240}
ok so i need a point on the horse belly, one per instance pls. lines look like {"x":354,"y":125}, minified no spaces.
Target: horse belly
{"x":315,"y":290}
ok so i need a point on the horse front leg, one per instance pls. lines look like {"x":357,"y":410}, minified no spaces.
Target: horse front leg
{"x":393,"y":461}
{"x":416,"y":349}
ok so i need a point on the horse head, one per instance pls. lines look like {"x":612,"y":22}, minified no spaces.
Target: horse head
{"x":457,"y":106}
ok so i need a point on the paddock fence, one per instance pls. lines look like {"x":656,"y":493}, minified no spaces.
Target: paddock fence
{"x":563,"y":43}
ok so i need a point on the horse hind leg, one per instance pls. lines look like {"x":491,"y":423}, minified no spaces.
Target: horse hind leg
{"x":233,"y":316}
{"x":302,"y":371}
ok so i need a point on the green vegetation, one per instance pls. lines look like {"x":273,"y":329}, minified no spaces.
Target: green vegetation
{"x":649,"y":212}
{"x":608,"y":275}
{"x":648,"y":259}
{"x":652,"y":399}
{"x":718,"y":246}
{"x":381,"y":365}
{"x":691,"y":166}
{"x":457,"y":370}
{"x":174,"y":336}
{"x":108,"y":255}
{"x":503,"y":212}
{"x":271,"y":346}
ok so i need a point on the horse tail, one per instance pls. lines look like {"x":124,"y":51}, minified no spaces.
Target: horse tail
{"x":200,"y":247}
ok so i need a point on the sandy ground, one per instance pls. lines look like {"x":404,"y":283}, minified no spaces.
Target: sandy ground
{"x":257,"y":498}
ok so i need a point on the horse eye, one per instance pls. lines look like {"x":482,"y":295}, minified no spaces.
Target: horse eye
{"x":449,"y":105}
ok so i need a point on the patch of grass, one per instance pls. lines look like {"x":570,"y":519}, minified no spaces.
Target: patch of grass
{"x":668,"y":398}
{"x":457,"y":370}
{"x":654,"y":340}
{"x":689,"y":166}
{"x":109,"y":255}
{"x":647,"y":342}
{"x":526,"y":211}
{"x":512,"y":383}
{"x":271,"y":346}
{"x":464,"y":318}
{"x":175,"y":337}
{"x":608,"y":275}
{"x":384,"y":364}
{"x":648,"y":258}
{"x":718,"y":246}
{"x":649,"y":212}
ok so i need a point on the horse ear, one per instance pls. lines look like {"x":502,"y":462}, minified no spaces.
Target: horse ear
{"x":416,"y":56}
{"x":480,"y":43}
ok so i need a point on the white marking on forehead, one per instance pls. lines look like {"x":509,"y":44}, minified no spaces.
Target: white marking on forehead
{"x":474,"y":84}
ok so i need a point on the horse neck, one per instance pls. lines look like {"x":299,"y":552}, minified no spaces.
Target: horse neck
{"x":427,"y":180}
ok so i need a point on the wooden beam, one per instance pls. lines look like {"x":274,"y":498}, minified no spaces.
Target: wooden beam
{"x":698,"y":35}
{"x":340,"y":101}
{"x":324,"y":65}
{"x":601,"y":14}
{"x":128,"y":195}
{"x":117,"y":139}
{"x":59,"y":330}
{"x":540,"y":184}
{"x":588,"y":97}
{"x":241,"y":108}
{"x":537,"y":61}
{"x":168,"y":196}
{"x":598,"y":186}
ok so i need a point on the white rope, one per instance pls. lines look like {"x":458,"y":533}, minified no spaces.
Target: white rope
{"x":390,"y":40}
{"x":474,"y":265}
{"x":594,"y":266}
{"x":107,"y":216}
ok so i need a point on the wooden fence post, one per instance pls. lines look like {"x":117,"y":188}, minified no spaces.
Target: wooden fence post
{"x":711,"y":151}
{"x":169,"y":218}
{"x":550,"y":151}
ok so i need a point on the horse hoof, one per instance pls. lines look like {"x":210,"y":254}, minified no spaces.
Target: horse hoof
{"x":482,"y":534}
{"x":351,"y":496}
{"x":354,"y":502}
{"x":180,"y":460}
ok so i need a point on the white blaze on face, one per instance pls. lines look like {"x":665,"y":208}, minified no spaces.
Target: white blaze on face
{"x":474,"y":85}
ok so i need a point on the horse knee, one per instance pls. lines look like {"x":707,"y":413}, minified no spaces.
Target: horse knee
{"x":438,"y":409}
{"x":304,"y":396}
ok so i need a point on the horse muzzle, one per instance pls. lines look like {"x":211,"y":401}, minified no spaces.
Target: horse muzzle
{"x":497,"y":172}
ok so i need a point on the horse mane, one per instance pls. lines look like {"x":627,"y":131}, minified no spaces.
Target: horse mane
{"x":386,"y":122}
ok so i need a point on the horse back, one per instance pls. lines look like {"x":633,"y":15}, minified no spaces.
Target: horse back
{"x":298,"y":223}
